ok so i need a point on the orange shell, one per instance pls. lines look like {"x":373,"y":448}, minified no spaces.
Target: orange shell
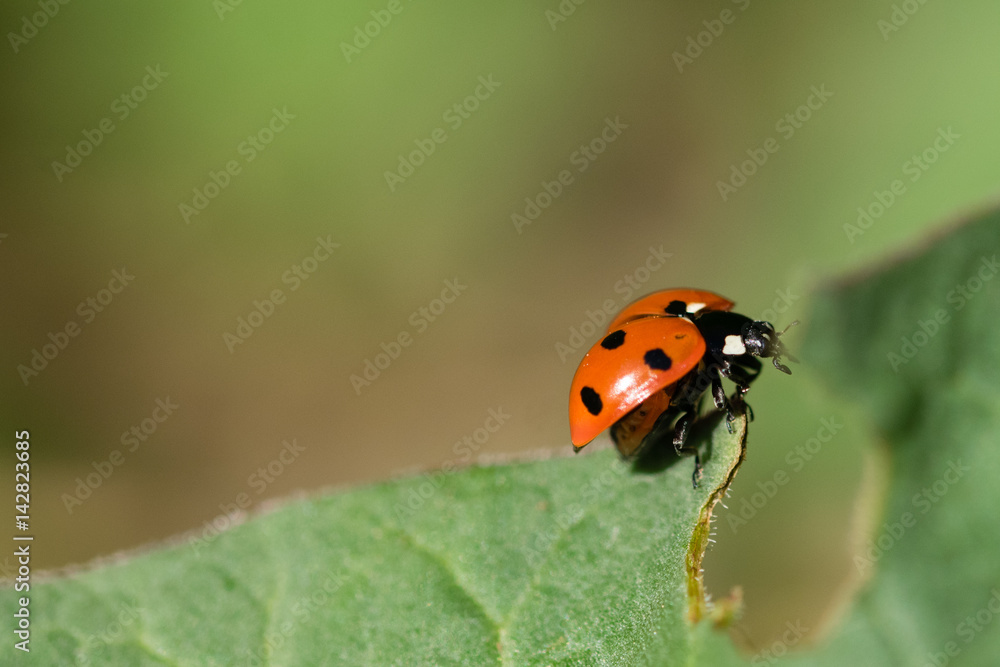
{"x":628,"y":366}
{"x":657,"y":303}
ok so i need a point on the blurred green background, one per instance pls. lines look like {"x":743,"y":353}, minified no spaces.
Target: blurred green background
{"x":204,"y":81}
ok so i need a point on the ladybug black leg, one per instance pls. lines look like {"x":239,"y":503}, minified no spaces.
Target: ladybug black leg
{"x":742,"y":374}
{"x":696,"y":475}
{"x":722,"y":402}
{"x":731,"y":407}
{"x":737,"y":400}
{"x":739,"y":403}
{"x":719,"y":394}
{"x":681,"y":430}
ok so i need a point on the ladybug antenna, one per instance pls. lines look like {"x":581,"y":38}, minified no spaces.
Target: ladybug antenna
{"x":782,"y":352}
{"x":782,"y":332}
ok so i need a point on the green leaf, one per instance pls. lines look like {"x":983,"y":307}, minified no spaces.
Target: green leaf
{"x":574,"y":560}
{"x":586,"y":561}
{"x":918,"y":344}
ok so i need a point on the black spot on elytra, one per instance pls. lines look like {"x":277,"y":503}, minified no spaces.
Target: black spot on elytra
{"x":591,"y":400}
{"x":676,"y":308}
{"x":613,"y":340}
{"x":657,"y":359}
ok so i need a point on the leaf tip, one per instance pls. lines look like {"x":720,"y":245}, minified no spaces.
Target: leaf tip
{"x":698,"y":606}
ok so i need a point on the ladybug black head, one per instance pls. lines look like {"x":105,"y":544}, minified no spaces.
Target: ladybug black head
{"x":761,"y":340}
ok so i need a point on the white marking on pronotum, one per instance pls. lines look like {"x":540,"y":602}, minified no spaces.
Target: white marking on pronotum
{"x":734,"y":345}
{"x":695,"y":307}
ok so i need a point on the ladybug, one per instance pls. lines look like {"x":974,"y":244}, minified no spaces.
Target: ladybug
{"x":659,"y":357}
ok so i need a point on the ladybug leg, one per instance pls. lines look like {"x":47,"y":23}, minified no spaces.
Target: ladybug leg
{"x":687,"y":403}
{"x":681,"y":430}
{"x":722,"y":402}
{"x":742,"y":374}
{"x":696,"y":475}
{"x":680,"y":436}
{"x":719,"y":394}
{"x":739,"y":403}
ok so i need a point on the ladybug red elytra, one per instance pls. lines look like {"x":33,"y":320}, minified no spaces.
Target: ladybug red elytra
{"x":661,"y":354}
